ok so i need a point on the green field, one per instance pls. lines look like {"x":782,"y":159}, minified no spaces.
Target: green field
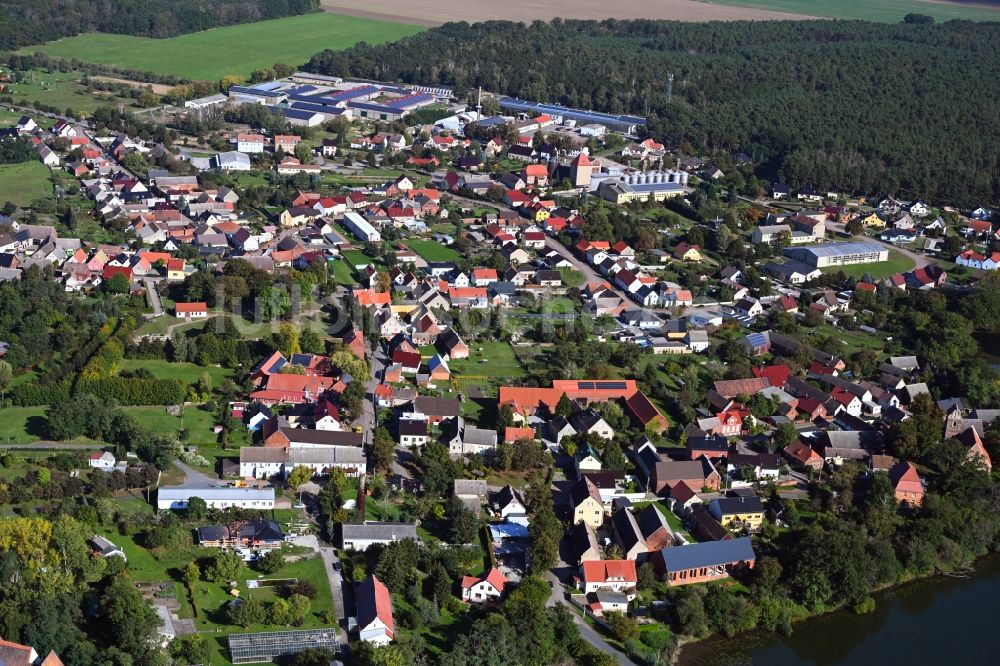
{"x":197,"y":423}
{"x":61,"y":90}
{"x":488,"y":359}
{"x":23,"y":425}
{"x":24,"y":183}
{"x":432,"y":250}
{"x":891,"y":11}
{"x":238,"y":50}
{"x":189,"y":373}
{"x":896,"y":263}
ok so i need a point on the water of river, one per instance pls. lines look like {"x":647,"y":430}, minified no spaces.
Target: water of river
{"x":941,"y":620}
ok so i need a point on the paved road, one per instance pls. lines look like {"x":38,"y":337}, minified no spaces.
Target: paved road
{"x":586,"y":631}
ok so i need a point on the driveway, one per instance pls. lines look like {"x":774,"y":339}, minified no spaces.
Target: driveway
{"x":335,"y":579}
{"x":195,"y":479}
{"x":586,"y":631}
{"x":154,"y":297}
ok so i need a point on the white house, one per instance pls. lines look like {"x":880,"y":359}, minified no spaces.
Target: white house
{"x":216,"y":497}
{"x":359,"y":536}
{"x":103,"y":460}
{"x":610,"y":575}
{"x":487,"y":588}
{"x":375,"y":623}
{"x":250,"y":143}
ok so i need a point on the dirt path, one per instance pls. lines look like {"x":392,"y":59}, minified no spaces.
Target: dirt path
{"x":422,"y":12}
{"x":158,"y":88}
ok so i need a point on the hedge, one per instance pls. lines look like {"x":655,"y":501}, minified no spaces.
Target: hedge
{"x":129,"y":391}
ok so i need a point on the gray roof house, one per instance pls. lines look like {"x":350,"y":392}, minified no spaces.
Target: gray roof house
{"x":358,"y":536}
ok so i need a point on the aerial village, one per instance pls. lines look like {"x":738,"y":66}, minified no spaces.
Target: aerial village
{"x":486,"y":300}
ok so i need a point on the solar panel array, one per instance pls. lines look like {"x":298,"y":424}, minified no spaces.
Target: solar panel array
{"x":263,"y":647}
{"x":601,"y":386}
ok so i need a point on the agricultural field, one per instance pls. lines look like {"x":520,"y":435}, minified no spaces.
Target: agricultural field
{"x":432,"y":250}
{"x":24,"y":183}
{"x":233,"y":50}
{"x":435,"y":13}
{"x":890,"y":11}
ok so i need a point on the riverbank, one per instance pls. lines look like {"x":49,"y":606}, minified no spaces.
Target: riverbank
{"x":921,"y":621}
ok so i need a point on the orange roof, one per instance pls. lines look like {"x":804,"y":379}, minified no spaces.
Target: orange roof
{"x":175,"y":264}
{"x":312,"y":383}
{"x":801,"y":452}
{"x":191,"y":307}
{"x":370,"y":297}
{"x":374,"y":601}
{"x":580,"y":160}
{"x":603,"y":570}
{"x":536,"y":170}
{"x":493,"y":577}
{"x":512,"y":434}
{"x":467,"y":292}
{"x":153,"y":257}
{"x":530,"y":398}
{"x":905,"y":478}
{"x":484,"y":274}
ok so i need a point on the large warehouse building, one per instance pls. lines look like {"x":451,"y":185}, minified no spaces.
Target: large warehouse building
{"x":839,"y":254}
{"x":618,"y":123}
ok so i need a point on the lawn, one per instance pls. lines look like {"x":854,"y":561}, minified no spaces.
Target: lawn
{"x":24,"y":425}
{"x":432,"y":250}
{"x":488,"y":359}
{"x":572,"y":277}
{"x":896,"y":263}
{"x":891,"y":11}
{"x":356,"y":258}
{"x":233,"y":50}
{"x":343,"y":273}
{"x":189,"y":373}
{"x":197,"y":423}
{"x":24,"y":183}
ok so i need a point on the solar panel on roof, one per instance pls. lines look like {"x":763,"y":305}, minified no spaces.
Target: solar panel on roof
{"x":278,"y":365}
{"x":301,"y":359}
{"x":610,"y":386}
{"x":586,"y":386}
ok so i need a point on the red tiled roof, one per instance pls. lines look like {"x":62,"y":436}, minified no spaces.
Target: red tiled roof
{"x":512,"y":434}
{"x":602,"y":570}
{"x":777,"y":375}
{"x":904,"y":478}
{"x":191,"y":307}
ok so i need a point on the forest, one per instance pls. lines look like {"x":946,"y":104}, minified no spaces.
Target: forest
{"x":909,"y":109}
{"x":27,"y":22}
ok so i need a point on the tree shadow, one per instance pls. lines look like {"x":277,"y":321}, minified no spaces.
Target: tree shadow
{"x":37,"y":426}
